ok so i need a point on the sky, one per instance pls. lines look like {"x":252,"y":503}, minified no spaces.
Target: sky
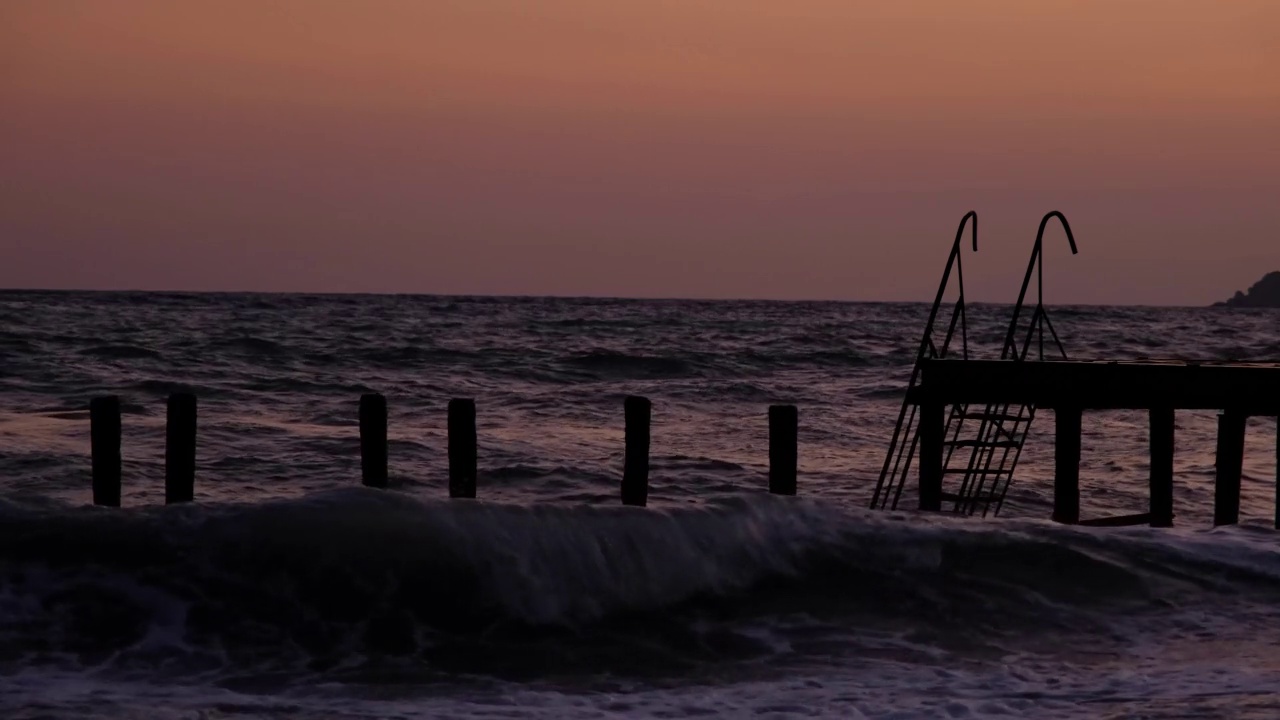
{"x":808,"y":149}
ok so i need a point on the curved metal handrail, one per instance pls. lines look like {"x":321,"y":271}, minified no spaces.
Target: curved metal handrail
{"x":1036,"y":265}
{"x":1008,"y":460}
{"x":952,"y":259}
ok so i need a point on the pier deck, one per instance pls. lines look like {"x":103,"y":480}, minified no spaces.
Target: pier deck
{"x":1238,"y":390}
{"x":1247,"y":388}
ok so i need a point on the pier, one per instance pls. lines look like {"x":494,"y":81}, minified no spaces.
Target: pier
{"x":968,"y":418}
{"x":963,"y":419}
{"x":1069,"y":388}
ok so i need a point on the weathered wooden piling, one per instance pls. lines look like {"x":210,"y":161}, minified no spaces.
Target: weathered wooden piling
{"x":1161,"y":450}
{"x":462,"y":448}
{"x":635,"y":470}
{"x":104,"y":434}
{"x":1230,"y":465}
{"x":180,"y":449}
{"x":373,"y":440}
{"x":1066,"y":455}
{"x":784,"y":423}
{"x":1277,"y":472}
{"x":932,"y":434}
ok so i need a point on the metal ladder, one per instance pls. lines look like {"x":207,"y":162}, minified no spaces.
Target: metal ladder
{"x":906,"y":433}
{"x":983,"y":458}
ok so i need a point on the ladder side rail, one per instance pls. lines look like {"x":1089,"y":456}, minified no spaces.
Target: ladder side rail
{"x":901,"y":470}
{"x":1011,"y":334}
{"x":926,"y":349}
{"x":1007,"y":429}
{"x":975,"y":459}
{"x":1057,"y":340}
{"x":901,"y":461}
{"x":977,"y":472}
{"x":951,"y":437}
{"x":1000,"y":485}
{"x":901,"y":481}
{"x":1036,"y":322}
{"x":956,"y":313}
{"x":893,"y":457}
{"x":1016,"y":455}
{"x":964,"y":315}
{"x":896,"y":442}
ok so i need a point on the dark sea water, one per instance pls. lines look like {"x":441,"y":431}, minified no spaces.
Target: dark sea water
{"x":289,"y":591}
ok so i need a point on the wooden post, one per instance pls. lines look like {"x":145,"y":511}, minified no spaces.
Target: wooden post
{"x":1278,"y":472}
{"x":180,"y":449}
{"x":462,"y":448}
{"x":373,"y":440}
{"x":783,"y":452}
{"x":104,"y":433}
{"x":932,"y":432}
{"x":1230,"y":464}
{"x":1066,"y":453}
{"x":1161,"y":440}
{"x":635,"y":470}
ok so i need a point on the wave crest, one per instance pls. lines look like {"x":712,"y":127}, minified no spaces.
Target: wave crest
{"x":360,"y":571}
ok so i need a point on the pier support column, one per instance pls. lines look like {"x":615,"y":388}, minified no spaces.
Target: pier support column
{"x":180,"y":449}
{"x":635,"y":469}
{"x":1230,"y":464}
{"x":463,"y":451}
{"x":1278,"y":472}
{"x":783,"y":451}
{"x":104,"y":432}
{"x":373,"y":440}
{"x":1066,"y":477}
{"x":932,"y":433}
{"x":1161,"y":467}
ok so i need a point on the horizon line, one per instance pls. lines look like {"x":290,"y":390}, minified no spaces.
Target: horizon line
{"x":673,"y":298}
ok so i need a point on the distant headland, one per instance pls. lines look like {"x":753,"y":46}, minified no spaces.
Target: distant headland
{"x":1264,"y":293}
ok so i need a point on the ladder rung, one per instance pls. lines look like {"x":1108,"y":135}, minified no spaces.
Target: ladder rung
{"x":976,"y":471}
{"x":982,"y":443}
{"x":998,"y":417}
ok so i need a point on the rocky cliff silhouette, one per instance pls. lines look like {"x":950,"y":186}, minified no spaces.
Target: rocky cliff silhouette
{"x":1264,"y":293}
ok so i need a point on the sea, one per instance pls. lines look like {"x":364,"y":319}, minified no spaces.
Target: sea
{"x":289,"y":590}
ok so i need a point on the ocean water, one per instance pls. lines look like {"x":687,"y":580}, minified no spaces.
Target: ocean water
{"x":289,"y":591}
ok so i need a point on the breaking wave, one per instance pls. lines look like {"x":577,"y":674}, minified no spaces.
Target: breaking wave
{"x":359,"y":573}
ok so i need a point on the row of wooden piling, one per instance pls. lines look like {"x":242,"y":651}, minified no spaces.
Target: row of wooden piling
{"x":463,"y":452}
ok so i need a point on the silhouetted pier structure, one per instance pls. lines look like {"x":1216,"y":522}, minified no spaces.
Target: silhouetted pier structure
{"x":968,"y":418}
{"x":1069,"y":388}
{"x":965,"y":419}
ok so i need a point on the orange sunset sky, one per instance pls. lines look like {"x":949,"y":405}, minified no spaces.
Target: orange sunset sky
{"x":652,"y":148}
